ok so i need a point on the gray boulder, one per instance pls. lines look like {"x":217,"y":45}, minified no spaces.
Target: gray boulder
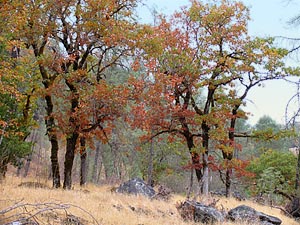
{"x":293,"y":207}
{"x":246,"y":213}
{"x":191,"y":210}
{"x":136,"y":186}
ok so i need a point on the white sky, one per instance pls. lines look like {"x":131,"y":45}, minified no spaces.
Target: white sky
{"x":268,"y":18}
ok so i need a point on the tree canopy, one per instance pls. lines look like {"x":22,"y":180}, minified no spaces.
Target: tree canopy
{"x":93,"y":64}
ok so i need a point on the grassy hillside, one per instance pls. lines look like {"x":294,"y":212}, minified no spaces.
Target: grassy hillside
{"x":99,"y":204}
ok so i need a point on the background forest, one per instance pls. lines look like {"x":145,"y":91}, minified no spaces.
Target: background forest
{"x":91,"y":95}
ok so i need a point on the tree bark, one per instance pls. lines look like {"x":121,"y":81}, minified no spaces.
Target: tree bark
{"x":54,"y":161}
{"x":19,"y":166}
{"x":205,"y":177}
{"x":205,"y":144}
{"x":196,"y":165}
{"x":96,"y":168}
{"x":228,"y":156}
{"x":29,"y":157}
{"x":105,"y":165}
{"x":194,"y":155}
{"x":150,"y":165}
{"x":228,"y":182}
{"x":50,"y":124}
{"x":189,"y":190}
{"x":3,"y":169}
{"x":297,"y":183}
{"x":83,"y":168}
{"x":27,"y":165}
{"x":49,"y":119}
{"x":83,"y":162}
{"x":71,"y":138}
{"x":2,"y":136}
{"x":69,"y":159}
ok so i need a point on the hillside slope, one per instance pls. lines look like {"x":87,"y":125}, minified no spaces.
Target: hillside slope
{"x":98,"y":205}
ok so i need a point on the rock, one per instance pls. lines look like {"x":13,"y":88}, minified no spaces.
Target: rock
{"x":164,"y":193}
{"x":246,"y":213}
{"x":293,"y":207}
{"x":136,"y":186}
{"x":190,"y":210}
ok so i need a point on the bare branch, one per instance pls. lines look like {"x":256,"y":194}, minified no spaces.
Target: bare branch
{"x":31,"y":211}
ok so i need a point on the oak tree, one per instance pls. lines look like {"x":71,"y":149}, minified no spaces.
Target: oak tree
{"x":201,"y":65}
{"x":74,"y":44}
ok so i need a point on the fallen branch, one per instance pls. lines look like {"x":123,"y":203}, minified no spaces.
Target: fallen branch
{"x":31,"y":211}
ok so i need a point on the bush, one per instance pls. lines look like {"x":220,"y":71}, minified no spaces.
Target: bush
{"x":274,"y":170}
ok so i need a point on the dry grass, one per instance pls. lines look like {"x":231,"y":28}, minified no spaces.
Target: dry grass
{"x":106,"y":207}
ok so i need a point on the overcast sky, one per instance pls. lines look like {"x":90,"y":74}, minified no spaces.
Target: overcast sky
{"x":268,"y":18}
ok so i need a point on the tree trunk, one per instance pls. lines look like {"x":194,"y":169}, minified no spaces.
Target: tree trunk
{"x":2,"y":135}
{"x":96,"y":164}
{"x":71,"y":137}
{"x":83,"y":162}
{"x":54,"y":161}
{"x":228,"y":182}
{"x":228,"y":156}
{"x":50,"y":124}
{"x":49,"y":119}
{"x":99,"y":172}
{"x":3,"y":169}
{"x":19,"y":166}
{"x":29,"y":157}
{"x":27,"y":165}
{"x":69,"y":159}
{"x":189,"y":190}
{"x":196,"y":165}
{"x":105,"y":165}
{"x":83,"y":168}
{"x":150,"y":165}
{"x":205,"y":177}
{"x":228,"y":175}
{"x":2,"y":173}
{"x":205,"y":144}
{"x":297,"y":183}
{"x":115,"y":149}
